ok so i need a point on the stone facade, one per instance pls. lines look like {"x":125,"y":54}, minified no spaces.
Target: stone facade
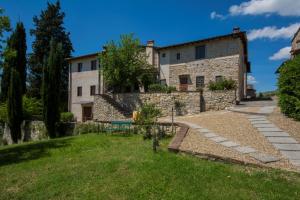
{"x":224,"y":56}
{"x":296,"y":44}
{"x":183,"y":103}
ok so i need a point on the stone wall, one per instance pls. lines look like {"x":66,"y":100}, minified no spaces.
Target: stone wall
{"x":184,"y":103}
{"x":219,"y":100}
{"x":103,"y":110}
{"x":31,"y":131}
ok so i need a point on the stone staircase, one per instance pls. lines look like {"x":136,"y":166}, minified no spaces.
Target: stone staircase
{"x":106,"y":108}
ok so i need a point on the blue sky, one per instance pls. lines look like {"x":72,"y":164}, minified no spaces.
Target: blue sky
{"x":269,"y":23}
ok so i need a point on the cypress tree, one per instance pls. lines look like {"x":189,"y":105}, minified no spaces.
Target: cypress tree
{"x":15,"y":56}
{"x":51,"y":87}
{"x":48,"y":25}
{"x":14,"y":105}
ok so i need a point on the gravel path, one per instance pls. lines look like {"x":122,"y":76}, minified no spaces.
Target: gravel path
{"x":236,"y":127}
{"x":196,"y":143}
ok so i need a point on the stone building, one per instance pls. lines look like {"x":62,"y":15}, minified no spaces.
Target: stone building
{"x":187,"y":66}
{"x":296,"y":44}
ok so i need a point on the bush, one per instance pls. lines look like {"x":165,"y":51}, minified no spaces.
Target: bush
{"x":147,"y":117}
{"x":32,"y":108}
{"x":225,"y":84}
{"x":289,"y":88}
{"x":66,"y":117}
{"x":84,"y":128}
{"x":3,"y":113}
{"x":161,"y":88}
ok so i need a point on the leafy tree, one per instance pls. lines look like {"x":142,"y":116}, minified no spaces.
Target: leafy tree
{"x":14,"y":105}
{"x":51,"y":87}
{"x":50,"y":24}
{"x":124,"y":64}
{"x":4,"y":27}
{"x":289,"y":88}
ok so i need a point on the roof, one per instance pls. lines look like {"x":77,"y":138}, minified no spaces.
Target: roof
{"x":83,"y":56}
{"x":296,"y":34}
{"x":241,"y":35}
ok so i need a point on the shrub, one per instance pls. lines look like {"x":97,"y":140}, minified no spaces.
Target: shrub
{"x":225,"y":84}
{"x":3,"y":113}
{"x":179,"y":107}
{"x":32,"y":108}
{"x":66,"y":117}
{"x":161,"y":88}
{"x":84,"y":128}
{"x":289,"y":88}
{"x":147,"y":117}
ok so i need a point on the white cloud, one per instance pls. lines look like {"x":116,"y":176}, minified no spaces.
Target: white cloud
{"x":251,"y":79}
{"x":272,"y":32}
{"x":259,"y":7}
{"x":215,"y":15}
{"x":282,"y":54}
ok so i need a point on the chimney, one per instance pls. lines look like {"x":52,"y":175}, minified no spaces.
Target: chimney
{"x":150,"y":43}
{"x":236,"y":30}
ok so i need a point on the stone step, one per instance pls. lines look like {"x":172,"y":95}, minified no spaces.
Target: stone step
{"x":288,"y":147}
{"x":282,"y":140}
{"x":245,"y":149}
{"x":269,"y":129}
{"x":275,"y":134}
{"x":292,"y":155}
{"x":265,"y":158}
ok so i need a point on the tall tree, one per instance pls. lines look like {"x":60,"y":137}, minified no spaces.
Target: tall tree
{"x":51,"y":87}
{"x":14,"y":105}
{"x":48,"y":25}
{"x":4,"y":27}
{"x":16,"y":44}
{"x":125,"y":66}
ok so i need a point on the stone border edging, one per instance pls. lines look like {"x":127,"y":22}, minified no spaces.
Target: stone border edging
{"x":178,"y":138}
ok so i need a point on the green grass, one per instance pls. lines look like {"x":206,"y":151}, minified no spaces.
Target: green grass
{"x":119,"y":167}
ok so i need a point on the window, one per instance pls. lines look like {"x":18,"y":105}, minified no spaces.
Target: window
{"x":93,"y":64}
{"x":79,"y":67}
{"x":79,"y":91}
{"x":178,"y":56}
{"x":200,"y":82}
{"x":200,"y":52}
{"x":163,"y":82}
{"x":183,"y":79}
{"x":219,"y":78}
{"x":93,"y":90}
{"x":163,"y":55}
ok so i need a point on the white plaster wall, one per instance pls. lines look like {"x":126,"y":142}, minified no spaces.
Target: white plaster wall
{"x":83,"y":79}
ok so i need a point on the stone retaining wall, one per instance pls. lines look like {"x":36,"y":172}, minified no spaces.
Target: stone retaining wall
{"x":184,"y":103}
{"x":30,"y":130}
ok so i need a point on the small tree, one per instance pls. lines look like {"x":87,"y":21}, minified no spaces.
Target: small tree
{"x":51,"y":88}
{"x":14,"y":106}
{"x":124,"y":65}
{"x":289,"y":88}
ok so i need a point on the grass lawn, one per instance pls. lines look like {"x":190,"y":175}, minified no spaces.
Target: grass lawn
{"x":119,"y":167}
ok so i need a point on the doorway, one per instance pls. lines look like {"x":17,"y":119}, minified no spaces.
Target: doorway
{"x":87,"y":113}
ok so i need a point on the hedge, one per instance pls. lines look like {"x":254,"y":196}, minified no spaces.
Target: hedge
{"x":289,"y":88}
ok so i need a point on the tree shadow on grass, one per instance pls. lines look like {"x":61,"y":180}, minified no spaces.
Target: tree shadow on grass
{"x":28,"y":152}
